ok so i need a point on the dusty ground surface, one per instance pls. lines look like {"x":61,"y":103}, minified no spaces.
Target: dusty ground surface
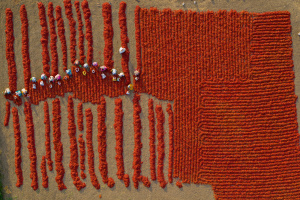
{"x":7,"y":146}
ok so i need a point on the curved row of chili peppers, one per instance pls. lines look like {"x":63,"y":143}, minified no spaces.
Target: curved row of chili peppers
{"x":18,"y":146}
{"x":47,"y":135}
{"x":73,"y":146}
{"x":31,"y":145}
{"x":210,"y":148}
{"x":62,"y":37}
{"x":58,"y":146}
{"x":89,"y":144}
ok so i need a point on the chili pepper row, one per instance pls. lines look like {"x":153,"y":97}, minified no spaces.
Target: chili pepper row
{"x":259,"y":122}
{"x":44,"y":172}
{"x":137,"y":163}
{"x":10,"y":54}
{"x":80,"y":116}
{"x":58,"y":146}
{"x":7,"y":113}
{"x":53,"y":39}
{"x":124,"y":41}
{"x":31,"y":145}
{"x":73,"y":146}
{"x":25,"y":46}
{"x":82,"y":155}
{"x":89,"y":144}
{"x":160,"y":117}
{"x":118,"y":126}
{"x":101,"y":109}
{"x":88,"y":31}
{"x":62,"y":37}
{"x":72,"y":24}
{"x":44,"y":39}
{"x":81,"y":34}
{"x":18,"y":146}
{"x":152,"y":139}
{"x":47,"y":135}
